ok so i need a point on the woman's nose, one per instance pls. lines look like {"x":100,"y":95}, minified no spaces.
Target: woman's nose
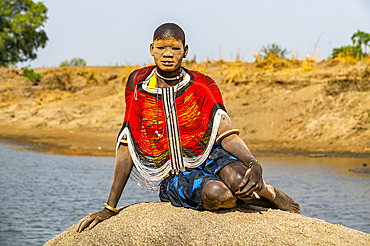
{"x":167,"y":52}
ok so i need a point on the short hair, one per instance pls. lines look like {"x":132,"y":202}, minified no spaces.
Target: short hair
{"x":169,"y":30}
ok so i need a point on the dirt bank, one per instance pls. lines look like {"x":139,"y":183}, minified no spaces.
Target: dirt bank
{"x":284,"y":107}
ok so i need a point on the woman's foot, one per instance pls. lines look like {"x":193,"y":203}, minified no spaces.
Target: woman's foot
{"x":279,"y":199}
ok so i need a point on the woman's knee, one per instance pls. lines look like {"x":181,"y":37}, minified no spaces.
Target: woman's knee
{"x":232,"y":175}
{"x":216,"y":194}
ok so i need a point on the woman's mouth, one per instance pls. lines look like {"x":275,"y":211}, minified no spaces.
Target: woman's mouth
{"x":167,"y":63}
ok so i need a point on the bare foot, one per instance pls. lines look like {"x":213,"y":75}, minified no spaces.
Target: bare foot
{"x":279,"y":199}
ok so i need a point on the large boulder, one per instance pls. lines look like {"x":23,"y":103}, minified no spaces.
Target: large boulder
{"x":163,"y":224}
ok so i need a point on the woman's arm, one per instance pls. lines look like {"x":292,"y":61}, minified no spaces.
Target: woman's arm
{"x":122,"y":170}
{"x":233,"y":144}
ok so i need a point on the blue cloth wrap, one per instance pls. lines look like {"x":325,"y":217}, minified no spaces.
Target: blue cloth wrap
{"x":185,"y":188}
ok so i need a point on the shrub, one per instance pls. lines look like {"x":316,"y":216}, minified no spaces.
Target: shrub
{"x":64,"y":64}
{"x":31,"y":75}
{"x":73,"y":62}
{"x":351,"y":51}
{"x":77,"y":62}
{"x":81,"y":73}
{"x":273,"y":51}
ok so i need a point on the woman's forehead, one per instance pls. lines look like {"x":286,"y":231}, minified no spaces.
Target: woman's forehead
{"x":168,"y":42}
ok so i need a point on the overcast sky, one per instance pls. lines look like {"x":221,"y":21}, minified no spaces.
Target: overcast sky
{"x":116,"y":32}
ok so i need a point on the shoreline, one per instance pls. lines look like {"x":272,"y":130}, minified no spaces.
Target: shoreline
{"x":96,"y":143}
{"x":279,"y":110}
{"x":60,"y":142}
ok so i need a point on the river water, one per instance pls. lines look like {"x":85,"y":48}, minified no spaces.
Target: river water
{"x":42,"y":195}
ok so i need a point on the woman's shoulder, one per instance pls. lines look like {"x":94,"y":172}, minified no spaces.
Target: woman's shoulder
{"x":138,"y":75}
{"x":200,"y":77}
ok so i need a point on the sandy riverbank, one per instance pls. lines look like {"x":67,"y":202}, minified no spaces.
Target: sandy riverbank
{"x":281,"y":108}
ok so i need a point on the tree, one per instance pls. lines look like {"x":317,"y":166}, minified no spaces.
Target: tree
{"x":21,"y":30}
{"x":77,"y":62}
{"x":362,"y":38}
{"x":359,"y":39}
{"x":272,"y":51}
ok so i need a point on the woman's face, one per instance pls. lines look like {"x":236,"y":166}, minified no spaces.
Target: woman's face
{"x":168,"y":54}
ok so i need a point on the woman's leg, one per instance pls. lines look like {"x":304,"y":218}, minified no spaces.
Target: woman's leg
{"x":215,"y":195}
{"x":233,"y":174}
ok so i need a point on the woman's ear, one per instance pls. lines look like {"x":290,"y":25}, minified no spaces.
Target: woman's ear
{"x":151,"y":48}
{"x":186,"y":49}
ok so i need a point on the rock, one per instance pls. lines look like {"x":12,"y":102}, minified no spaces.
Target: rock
{"x":163,"y":224}
{"x":364,"y":169}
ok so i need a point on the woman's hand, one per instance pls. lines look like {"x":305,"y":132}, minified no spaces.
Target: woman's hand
{"x":93,"y":219}
{"x":122,"y":171}
{"x":252,"y":182}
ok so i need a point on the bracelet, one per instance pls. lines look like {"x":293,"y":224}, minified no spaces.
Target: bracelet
{"x":226,"y":134}
{"x":112,"y":209}
{"x":253,"y":161}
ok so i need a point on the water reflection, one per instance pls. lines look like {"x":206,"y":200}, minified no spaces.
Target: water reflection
{"x":42,"y":195}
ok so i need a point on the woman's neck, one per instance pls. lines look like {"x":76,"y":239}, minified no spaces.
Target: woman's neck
{"x":168,"y":79}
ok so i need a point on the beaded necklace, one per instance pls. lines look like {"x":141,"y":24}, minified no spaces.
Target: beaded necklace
{"x":175,"y":77}
{"x":178,"y":77}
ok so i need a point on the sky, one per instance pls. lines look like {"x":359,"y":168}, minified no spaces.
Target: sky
{"x":119,"y":32}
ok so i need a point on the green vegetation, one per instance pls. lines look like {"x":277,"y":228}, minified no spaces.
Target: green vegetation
{"x":31,"y":75}
{"x":348,"y":50}
{"x":21,"y":30}
{"x":73,"y":62}
{"x":352,"y":53}
{"x":64,"y":64}
{"x":361,"y":38}
{"x":273,"y":51}
{"x":81,"y":73}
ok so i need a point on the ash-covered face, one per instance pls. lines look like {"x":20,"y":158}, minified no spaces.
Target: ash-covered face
{"x":168,"y":53}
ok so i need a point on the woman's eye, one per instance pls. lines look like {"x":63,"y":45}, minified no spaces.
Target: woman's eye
{"x":160,"y":48}
{"x":176,"y":48}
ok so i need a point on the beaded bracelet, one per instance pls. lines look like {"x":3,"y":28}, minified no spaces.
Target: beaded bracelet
{"x":226,"y":134}
{"x":253,"y":161}
{"x":112,"y":209}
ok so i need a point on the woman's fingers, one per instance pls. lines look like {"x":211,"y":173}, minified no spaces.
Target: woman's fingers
{"x":93,"y":219}
{"x":96,"y":221}
{"x":249,"y":194}
{"x":252,"y":182}
{"x":248,"y":191}
{"x":245,"y":179}
{"x":84,"y":222}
